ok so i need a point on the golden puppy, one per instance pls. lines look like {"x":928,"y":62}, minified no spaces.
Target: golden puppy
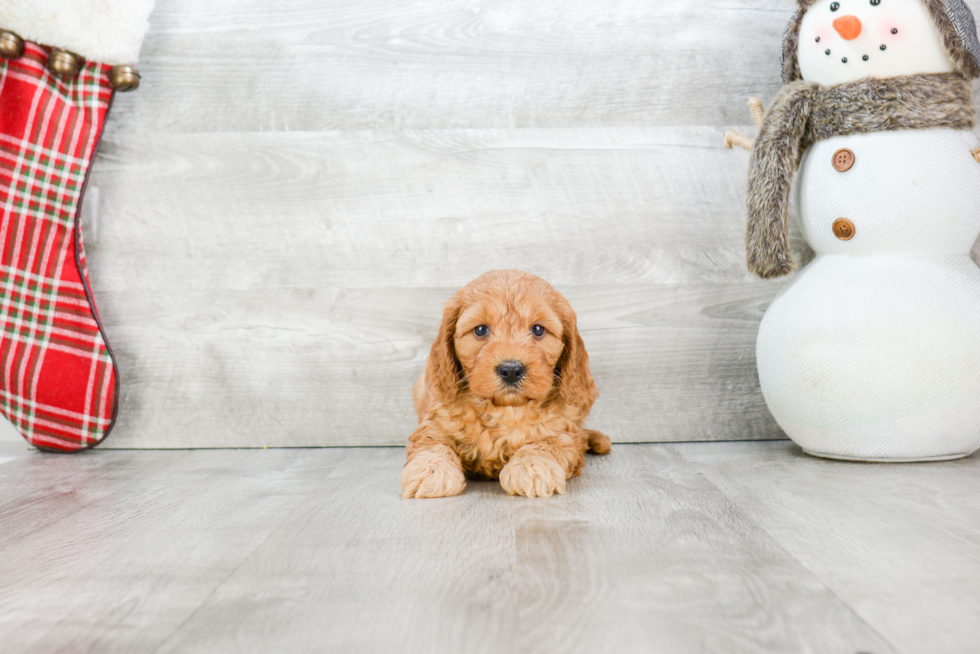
{"x":504,"y":393}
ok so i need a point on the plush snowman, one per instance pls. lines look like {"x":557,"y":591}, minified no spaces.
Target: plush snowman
{"x":873,"y":353}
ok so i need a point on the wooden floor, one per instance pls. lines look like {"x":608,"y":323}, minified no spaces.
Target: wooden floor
{"x":698,"y":547}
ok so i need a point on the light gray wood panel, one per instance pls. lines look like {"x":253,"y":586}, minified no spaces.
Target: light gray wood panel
{"x":282,"y":289}
{"x":59,"y":488}
{"x":707,"y":547}
{"x":643,"y":555}
{"x":884,"y":538}
{"x":12,"y":444}
{"x":232,"y":65}
{"x":113,"y":551}
{"x":377,"y":209}
{"x":299,"y":367}
{"x":357,"y":569}
{"x":292,"y":181}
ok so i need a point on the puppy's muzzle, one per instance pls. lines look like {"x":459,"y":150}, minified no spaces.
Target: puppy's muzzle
{"x":511,"y":372}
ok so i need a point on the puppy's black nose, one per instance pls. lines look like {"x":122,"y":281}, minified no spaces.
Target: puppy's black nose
{"x":511,"y":371}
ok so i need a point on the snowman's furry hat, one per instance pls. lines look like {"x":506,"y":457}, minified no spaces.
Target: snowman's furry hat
{"x":953,"y":18}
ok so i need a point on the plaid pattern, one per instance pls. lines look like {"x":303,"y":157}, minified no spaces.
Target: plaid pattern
{"x":57,"y":379}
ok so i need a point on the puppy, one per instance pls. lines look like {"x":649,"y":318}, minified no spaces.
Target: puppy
{"x":504,"y":393}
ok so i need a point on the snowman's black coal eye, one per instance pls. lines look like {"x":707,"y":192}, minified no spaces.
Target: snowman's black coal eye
{"x":481,"y":331}
{"x":875,"y":3}
{"x":538,"y":330}
{"x":834,"y":6}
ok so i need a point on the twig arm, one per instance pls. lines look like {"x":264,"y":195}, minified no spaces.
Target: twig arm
{"x":755,"y":106}
{"x":733,"y":138}
{"x":741,"y":140}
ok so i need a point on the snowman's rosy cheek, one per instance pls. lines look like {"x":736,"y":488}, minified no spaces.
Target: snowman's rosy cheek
{"x":822,"y":35}
{"x":889,"y":32}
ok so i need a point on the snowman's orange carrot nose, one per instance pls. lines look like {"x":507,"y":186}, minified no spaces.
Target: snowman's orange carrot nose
{"x":849,"y":27}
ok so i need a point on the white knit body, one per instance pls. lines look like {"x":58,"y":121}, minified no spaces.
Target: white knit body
{"x":873,"y":353}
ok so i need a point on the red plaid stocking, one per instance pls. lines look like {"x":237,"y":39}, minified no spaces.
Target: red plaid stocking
{"x":58,"y":383}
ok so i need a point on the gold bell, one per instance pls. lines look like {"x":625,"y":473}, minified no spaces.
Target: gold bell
{"x":64,"y":64}
{"x":11,"y":45}
{"x":124,"y":78}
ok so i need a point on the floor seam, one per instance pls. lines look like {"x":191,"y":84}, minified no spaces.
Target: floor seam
{"x":698,"y":467}
{"x":247,"y":557}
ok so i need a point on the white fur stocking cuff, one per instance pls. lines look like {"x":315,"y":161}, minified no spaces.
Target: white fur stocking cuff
{"x":106,"y":31}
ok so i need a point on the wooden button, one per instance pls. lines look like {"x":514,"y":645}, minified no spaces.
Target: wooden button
{"x":843,"y":229}
{"x":843,"y":160}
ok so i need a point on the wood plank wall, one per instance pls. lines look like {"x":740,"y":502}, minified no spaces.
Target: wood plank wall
{"x":296,"y":189}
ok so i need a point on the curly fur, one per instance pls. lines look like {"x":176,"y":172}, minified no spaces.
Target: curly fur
{"x":958,"y":54}
{"x":804,"y":113}
{"x":470,"y":421}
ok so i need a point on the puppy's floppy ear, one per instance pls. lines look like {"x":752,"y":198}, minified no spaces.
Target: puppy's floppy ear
{"x":443,"y":374}
{"x":575,"y":385}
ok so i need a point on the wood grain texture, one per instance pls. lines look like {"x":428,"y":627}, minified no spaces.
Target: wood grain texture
{"x":113,"y":551}
{"x":645,"y":555}
{"x":279,"y":289}
{"x":246,"y":66}
{"x":881,"y":537}
{"x":302,"y":367}
{"x":235,"y":65}
{"x":400,"y":210}
{"x":294,"y":191}
{"x":653,"y":549}
{"x":357,"y":569}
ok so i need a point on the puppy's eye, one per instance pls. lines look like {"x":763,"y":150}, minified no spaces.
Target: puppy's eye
{"x":538,"y":330}
{"x":834,"y":6}
{"x":481,"y":331}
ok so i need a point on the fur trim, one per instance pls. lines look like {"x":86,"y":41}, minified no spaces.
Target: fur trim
{"x":791,"y":41}
{"x":928,"y":101}
{"x":775,"y":156}
{"x":959,"y":54}
{"x":963,"y":61}
{"x":804,"y":113}
{"x":107,"y":31}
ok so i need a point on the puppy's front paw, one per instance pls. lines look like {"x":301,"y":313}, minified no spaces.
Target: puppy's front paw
{"x":533,"y":476}
{"x":430,"y":474}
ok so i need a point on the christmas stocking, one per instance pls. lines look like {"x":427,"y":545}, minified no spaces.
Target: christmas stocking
{"x":60,"y":63}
